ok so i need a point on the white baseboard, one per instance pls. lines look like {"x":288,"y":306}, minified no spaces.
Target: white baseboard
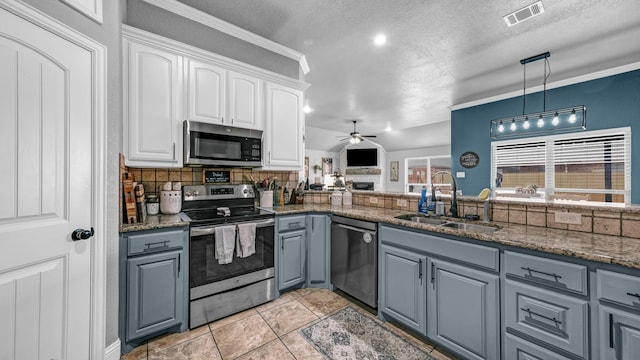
{"x":112,"y":352}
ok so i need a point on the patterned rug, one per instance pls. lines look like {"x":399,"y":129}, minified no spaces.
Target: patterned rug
{"x":349,"y":334}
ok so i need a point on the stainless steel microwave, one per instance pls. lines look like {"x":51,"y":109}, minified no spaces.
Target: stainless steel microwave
{"x":217,"y":145}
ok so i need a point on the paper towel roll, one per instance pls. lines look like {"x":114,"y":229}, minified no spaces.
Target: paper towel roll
{"x":266,"y":199}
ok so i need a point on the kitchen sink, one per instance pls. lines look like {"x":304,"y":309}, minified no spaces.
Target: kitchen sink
{"x":426,"y":219}
{"x":422,"y":219}
{"x":470,"y":227}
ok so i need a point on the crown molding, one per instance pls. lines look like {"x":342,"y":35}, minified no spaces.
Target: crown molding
{"x":213,"y":22}
{"x":193,"y":52}
{"x":556,"y":84}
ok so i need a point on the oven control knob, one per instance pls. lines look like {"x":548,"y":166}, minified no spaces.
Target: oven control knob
{"x":367,"y":237}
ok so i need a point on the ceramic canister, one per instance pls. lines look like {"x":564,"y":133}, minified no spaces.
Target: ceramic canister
{"x":170,"y":202}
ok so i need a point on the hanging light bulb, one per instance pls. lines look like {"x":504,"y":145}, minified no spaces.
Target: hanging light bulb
{"x":540,"y":121}
{"x":500,"y":127}
{"x":572,"y":117}
{"x":513,"y":125}
{"x":525,"y":124}
{"x":555,"y":120}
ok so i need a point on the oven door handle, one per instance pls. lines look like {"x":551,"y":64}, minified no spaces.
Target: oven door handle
{"x":208,"y":230}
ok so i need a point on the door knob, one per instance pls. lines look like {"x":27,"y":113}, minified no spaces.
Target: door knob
{"x":81,"y":234}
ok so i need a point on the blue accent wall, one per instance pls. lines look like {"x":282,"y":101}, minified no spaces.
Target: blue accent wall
{"x":611,"y":102}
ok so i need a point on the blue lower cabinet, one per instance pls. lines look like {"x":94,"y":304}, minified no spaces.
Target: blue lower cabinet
{"x":291,"y":262}
{"x":402,"y":287}
{"x":619,"y":334}
{"x":156,"y":297}
{"x":463,"y":309}
{"x":519,"y":349}
{"x":318,"y":252}
{"x":154,"y":284}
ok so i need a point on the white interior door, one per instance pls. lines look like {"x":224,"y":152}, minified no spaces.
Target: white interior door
{"x":45,"y":193}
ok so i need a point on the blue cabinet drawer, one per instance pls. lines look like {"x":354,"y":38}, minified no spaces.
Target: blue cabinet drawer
{"x":547,"y":272}
{"x":483,"y":256}
{"x":518,"y":349}
{"x":149,"y":242}
{"x":557,"y":319}
{"x":291,"y":223}
{"x":619,"y":288}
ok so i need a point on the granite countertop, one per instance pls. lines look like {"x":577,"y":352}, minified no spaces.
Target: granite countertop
{"x":156,"y":222}
{"x":601,"y":248}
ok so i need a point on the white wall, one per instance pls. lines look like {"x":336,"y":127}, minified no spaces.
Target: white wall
{"x":401,"y":156}
{"x":379,"y":183}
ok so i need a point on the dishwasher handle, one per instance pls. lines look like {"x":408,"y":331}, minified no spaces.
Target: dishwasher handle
{"x":349,"y":227}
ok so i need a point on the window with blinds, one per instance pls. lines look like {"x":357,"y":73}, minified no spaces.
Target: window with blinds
{"x":590,"y":166}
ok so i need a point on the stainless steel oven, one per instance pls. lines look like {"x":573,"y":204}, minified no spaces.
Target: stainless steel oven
{"x":210,"y":144}
{"x":218,"y":290}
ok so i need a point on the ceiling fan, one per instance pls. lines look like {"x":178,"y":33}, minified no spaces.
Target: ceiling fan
{"x":355,"y":136}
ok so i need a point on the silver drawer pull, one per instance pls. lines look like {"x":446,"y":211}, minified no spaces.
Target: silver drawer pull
{"x":556,"y":321}
{"x":530,"y":270}
{"x":294,"y":224}
{"x":156,"y":245}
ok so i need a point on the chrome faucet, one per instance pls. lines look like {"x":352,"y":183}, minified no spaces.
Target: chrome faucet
{"x":454,"y":200}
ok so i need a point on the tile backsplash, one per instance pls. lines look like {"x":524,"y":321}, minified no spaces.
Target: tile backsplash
{"x":154,"y":178}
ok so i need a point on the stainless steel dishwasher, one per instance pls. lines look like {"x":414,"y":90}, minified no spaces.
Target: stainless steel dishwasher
{"x":354,"y":258}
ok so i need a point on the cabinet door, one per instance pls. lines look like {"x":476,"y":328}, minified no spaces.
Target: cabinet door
{"x":155,"y":293}
{"x":619,"y":334}
{"x":153,"y":80}
{"x":284,"y":124}
{"x":402,"y":290}
{"x":206,"y":93}
{"x":318,"y":251}
{"x":463,"y":309}
{"x":245,"y":95}
{"x":291,"y":259}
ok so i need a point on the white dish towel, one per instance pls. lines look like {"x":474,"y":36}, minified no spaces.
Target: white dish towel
{"x":225,"y":237}
{"x":246,"y":244}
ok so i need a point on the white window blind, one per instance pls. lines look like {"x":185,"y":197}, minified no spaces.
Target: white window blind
{"x":590,"y":166}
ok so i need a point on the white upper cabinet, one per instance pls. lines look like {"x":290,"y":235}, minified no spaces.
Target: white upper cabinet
{"x":206,"y":93}
{"x":284,"y":142}
{"x":152,"y":88}
{"x":166,"y":82}
{"x":245,"y":94}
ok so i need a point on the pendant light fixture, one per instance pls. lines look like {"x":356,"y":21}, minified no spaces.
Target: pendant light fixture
{"x":568,"y":119}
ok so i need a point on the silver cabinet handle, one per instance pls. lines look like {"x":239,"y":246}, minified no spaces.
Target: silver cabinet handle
{"x":530,"y":270}
{"x":533,"y":313}
{"x":420,"y":271}
{"x":174,"y":151}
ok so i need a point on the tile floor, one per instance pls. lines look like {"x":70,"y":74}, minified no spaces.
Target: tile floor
{"x":265,"y":332}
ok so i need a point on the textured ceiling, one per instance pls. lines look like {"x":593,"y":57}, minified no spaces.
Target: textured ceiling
{"x":439,"y":53}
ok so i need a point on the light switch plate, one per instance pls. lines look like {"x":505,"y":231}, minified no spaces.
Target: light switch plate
{"x":373,"y":200}
{"x":568,"y":218}
{"x":401,"y":202}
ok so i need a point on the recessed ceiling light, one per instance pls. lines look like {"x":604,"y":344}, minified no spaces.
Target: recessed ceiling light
{"x":380,"y":39}
{"x":307,"y":109}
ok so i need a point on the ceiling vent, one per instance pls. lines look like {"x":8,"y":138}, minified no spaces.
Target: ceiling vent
{"x":523,"y":14}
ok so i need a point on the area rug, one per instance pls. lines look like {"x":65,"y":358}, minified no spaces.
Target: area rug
{"x":349,"y":334}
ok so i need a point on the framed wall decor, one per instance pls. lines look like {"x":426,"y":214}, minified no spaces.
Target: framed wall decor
{"x":393,"y":170}
{"x":327,"y":166}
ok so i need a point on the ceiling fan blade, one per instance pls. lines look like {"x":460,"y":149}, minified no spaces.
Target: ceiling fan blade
{"x":371,"y":136}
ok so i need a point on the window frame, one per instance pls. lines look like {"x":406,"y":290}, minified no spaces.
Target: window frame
{"x":546,"y":193}
{"x":428,"y":175}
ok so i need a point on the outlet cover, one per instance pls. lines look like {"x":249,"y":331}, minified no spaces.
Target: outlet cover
{"x":401,"y":202}
{"x":373,"y":200}
{"x":568,"y":218}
